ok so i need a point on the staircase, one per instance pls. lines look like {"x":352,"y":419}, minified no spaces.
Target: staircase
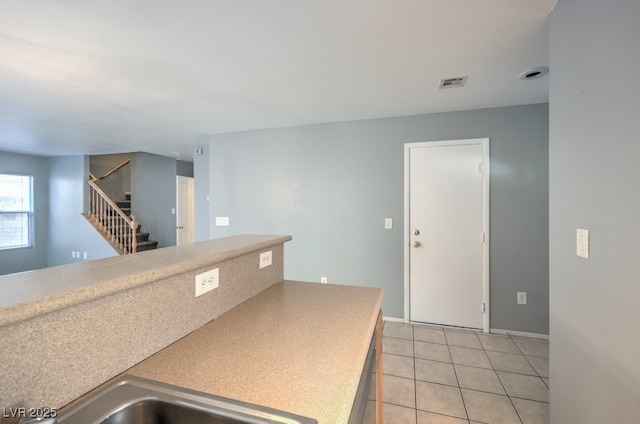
{"x":115,"y":223}
{"x":142,"y":238}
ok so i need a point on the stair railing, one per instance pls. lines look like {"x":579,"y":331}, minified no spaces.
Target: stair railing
{"x":119,"y":229}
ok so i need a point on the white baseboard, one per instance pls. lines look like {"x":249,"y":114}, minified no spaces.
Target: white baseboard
{"x":392,"y":319}
{"x":520,"y":333}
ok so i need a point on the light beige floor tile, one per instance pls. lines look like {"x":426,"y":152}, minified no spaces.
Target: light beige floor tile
{"x":532,"y":347}
{"x":498,"y":343}
{"x":400,"y":366}
{"x":433,"y":351}
{"x":524,"y":386}
{"x":430,"y":418}
{"x":398,"y":330}
{"x":440,"y":399}
{"x":399,"y":391}
{"x":397,"y":346}
{"x":479,"y":379}
{"x":532,"y":412}
{"x":398,"y":414}
{"x":435,"y":372}
{"x":510,"y":363}
{"x":429,"y":334}
{"x":489,"y":408}
{"x":470,"y":357}
{"x":541,"y":365}
{"x":462,"y":339}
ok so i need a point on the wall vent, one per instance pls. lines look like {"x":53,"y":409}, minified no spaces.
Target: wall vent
{"x":452,"y":82}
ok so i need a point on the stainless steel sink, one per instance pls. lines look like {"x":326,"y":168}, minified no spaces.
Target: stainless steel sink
{"x":135,"y":400}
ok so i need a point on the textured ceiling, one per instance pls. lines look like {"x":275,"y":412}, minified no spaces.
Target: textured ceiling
{"x":91,"y":77}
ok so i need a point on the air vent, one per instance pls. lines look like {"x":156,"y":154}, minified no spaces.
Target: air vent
{"x":452,"y":82}
{"x":534,"y":73}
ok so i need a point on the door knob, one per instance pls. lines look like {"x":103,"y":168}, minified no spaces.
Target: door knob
{"x":179,"y":227}
{"x":417,"y":244}
{"x":416,"y":232}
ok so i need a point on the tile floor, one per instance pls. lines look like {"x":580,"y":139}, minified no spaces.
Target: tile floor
{"x":435,"y":375}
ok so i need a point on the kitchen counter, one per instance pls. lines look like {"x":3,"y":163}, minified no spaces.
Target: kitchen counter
{"x":298,"y":347}
{"x":31,"y":294}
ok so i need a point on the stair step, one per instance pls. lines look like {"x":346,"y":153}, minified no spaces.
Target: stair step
{"x":124,"y":204}
{"x":141,"y":237}
{"x":147,"y":245}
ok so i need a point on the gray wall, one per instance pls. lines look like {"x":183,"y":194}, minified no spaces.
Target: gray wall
{"x":18,"y":260}
{"x":153,"y":196}
{"x":201,"y":183}
{"x":184,"y":169}
{"x":330,"y":186}
{"x":594,"y":184}
{"x":68,"y":228}
{"x":119,"y":182}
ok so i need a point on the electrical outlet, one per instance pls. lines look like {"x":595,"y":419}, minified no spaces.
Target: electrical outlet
{"x":388,"y":223}
{"x":265,"y":259}
{"x":324,"y":280}
{"x":522,"y":298}
{"x":207,"y":281}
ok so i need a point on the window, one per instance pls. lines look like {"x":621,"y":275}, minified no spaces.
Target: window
{"x":16,"y":211}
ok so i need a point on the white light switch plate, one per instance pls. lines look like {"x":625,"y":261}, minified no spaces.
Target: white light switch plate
{"x":265,"y":259}
{"x":388,"y":223}
{"x":207,"y":281}
{"x":222,"y":221}
{"x":582,"y":243}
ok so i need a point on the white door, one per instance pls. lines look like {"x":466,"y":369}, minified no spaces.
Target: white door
{"x":448,"y":228}
{"x":185,"y":214}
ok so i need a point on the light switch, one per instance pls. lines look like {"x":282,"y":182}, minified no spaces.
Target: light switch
{"x":582,"y":243}
{"x":388,"y":223}
{"x":222,"y":221}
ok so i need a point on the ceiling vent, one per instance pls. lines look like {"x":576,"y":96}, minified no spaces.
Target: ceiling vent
{"x":453,"y":82}
{"x":534,"y":73}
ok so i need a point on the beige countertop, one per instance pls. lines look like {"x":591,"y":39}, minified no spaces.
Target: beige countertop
{"x":298,"y":347}
{"x":29,"y":294}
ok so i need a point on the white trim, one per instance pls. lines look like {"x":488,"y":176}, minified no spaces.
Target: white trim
{"x":485,"y":142}
{"x":392,"y":319}
{"x":520,"y":334}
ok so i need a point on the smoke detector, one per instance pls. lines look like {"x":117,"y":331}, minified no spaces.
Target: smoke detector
{"x":453,"y":82}
{"x":534,"y":73}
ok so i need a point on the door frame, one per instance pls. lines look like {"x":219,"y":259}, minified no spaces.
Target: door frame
{"x":485,"y":224}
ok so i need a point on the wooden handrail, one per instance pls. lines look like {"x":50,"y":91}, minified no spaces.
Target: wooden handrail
{"x":119,"y":229}
{"x":116,"y":168}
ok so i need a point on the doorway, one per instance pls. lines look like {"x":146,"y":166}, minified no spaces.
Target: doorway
{"x":185,"y":212}
{"x":447,"y":233}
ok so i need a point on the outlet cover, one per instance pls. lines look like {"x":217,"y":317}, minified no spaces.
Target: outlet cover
{"x":324,"y":280}
{"x":388,"y":223}
{"x":582,"y":243}
{"x":207,"y":281}
{"x":522,"y":298}
{"x":265,"y":259}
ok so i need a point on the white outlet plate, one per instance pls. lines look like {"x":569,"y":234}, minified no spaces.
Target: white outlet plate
{"x":522,"y":298}
{"x":265,"y":259}
{"x":324,"y":280}
{"x":388,"y":223}
{"x":207,"y":281}
{"x":582,"y":243}
{"x":222,"y":221}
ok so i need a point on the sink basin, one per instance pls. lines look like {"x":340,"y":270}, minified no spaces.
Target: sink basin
{"x":135,"y":400}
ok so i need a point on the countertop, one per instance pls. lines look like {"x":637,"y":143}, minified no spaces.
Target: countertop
{"x":33,"y":293}
{"x":298,"y":347}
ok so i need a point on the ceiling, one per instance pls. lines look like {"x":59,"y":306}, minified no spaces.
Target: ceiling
{"x":94,"y":77}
